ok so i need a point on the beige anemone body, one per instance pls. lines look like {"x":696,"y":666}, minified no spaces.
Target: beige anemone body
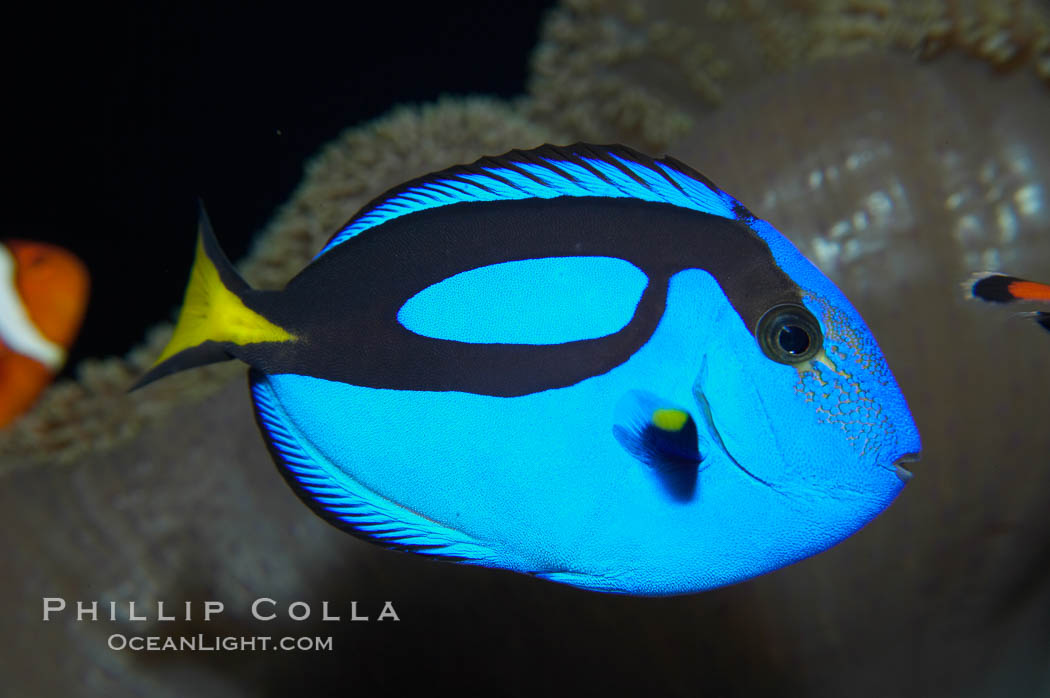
{"x":900,"y":145}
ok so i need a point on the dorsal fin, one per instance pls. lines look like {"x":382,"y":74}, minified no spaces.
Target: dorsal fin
{"x":549,"y":172}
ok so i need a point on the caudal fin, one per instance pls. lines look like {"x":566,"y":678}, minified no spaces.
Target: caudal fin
{"x":214,"y":318}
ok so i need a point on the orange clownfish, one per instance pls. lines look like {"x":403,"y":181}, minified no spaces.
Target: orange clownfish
{"x":1000,"y":288}
{"x":43,"y":295}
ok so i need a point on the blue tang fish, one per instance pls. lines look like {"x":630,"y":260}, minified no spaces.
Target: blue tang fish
{"x":578,"y":363}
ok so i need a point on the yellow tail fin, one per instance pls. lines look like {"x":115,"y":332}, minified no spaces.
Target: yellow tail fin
{"x":213,"y":318}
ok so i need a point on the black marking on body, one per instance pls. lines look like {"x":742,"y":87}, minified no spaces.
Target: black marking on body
{"x":344,"y":305}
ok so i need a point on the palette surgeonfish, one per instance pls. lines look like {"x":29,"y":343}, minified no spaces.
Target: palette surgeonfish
{"x":579,"y":363}
{"x":43,"y":296}
{"x":1003,"y":288}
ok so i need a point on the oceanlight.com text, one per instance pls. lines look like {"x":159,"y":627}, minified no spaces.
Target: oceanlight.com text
{"x":211,"y":643}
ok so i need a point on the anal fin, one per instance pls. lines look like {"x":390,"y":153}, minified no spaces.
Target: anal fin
{"x":345,"y":502}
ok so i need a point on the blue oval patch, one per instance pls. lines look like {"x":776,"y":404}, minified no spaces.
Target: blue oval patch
{"x":533,"y":301}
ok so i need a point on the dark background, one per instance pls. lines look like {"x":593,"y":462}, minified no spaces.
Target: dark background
{"x":119,"y":117}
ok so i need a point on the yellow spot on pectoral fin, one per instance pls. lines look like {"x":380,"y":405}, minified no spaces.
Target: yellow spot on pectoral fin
{"x":211,"y":312}
{"x":669,"y":419}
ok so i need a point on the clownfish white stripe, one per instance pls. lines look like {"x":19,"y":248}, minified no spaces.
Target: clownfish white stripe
{"x":17,"y":330}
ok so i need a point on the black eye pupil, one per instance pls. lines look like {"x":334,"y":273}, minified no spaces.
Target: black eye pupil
{"x":793,"y":339}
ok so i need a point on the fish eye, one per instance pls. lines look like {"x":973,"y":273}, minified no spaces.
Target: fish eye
{"x":789,"y":334}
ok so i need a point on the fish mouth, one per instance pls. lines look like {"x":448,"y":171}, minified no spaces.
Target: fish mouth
{"x":903,"y":473}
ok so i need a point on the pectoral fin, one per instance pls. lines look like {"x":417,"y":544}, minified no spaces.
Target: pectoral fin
{"x":664,"y":437}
